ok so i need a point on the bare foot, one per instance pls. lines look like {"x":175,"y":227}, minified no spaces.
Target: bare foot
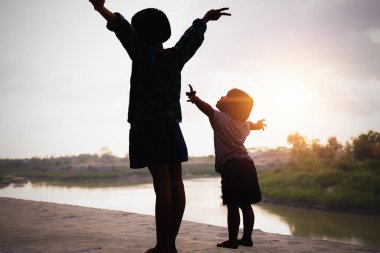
{"x":244,"y":242}
{"x":228,"y":244}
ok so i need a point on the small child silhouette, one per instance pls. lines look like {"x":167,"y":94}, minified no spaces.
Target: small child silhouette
{"x":240,"y":187}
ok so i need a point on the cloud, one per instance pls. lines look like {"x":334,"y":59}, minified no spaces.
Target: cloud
{"x":315,"y":35}
{"x":353,"y":97}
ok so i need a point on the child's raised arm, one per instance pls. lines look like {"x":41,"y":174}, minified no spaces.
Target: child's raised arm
{"x":107,"y":14}
{"x":193,"y":38}
{"x":202,"y":106}
{"x":258,"y":125}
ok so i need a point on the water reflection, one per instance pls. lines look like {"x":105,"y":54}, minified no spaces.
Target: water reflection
{"x":344,"y":227}
{"x":91,"y":184}
{"x":204,"y":205}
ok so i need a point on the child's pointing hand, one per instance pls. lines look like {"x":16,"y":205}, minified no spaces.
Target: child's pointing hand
{"x":191,"y":95}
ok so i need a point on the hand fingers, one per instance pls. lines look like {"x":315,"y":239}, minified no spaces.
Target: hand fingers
{"x":191,"y":88}
{"x":223,"y":13}
{"x":190,"y":94}
{"x":223,"y":9}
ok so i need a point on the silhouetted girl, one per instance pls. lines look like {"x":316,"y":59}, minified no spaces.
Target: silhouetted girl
{"x":155,"y":137}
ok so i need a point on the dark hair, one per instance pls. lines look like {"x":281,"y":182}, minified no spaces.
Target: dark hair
{"x":238,"y":105}
{"x":151,"y":25}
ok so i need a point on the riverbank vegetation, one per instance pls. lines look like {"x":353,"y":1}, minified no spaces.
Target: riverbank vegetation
{"x":309,"y":174}
{"x":91,"y":167}
{"x":332,"y":176}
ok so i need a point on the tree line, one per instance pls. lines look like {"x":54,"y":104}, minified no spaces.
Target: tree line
{"x":362,"y":147}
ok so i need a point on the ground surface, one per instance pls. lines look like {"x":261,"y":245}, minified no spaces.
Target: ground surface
{"x":29,"y":226}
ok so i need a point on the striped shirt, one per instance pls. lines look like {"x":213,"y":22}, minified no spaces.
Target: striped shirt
{"x":229,"y":138}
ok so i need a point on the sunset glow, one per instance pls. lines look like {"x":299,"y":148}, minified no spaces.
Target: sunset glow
{"x":310,"y":66}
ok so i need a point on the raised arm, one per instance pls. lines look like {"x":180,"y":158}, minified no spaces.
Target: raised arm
{"x":106,"y":14}
{"x":202,"y":106}
{"x":123,"y":31}
{"x":193,"y":38}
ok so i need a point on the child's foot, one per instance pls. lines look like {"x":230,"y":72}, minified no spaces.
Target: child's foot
{"x":228,"y":244}
{"x":245,"y":242}
{"x":152,"y":250}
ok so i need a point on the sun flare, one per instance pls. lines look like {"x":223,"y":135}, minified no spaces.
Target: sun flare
{"x":290,"y":94}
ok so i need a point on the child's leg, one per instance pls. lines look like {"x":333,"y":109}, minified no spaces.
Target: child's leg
{"x":233,"y":222}
{"x":179,"y":202}
{"x":248,"y":222}
{"x":163,"y":188}
{"x":233,"y":219}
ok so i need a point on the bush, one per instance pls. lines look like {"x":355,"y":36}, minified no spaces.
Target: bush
{"x":355,"y":189}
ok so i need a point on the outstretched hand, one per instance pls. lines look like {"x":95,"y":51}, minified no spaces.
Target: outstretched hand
{"x":215,"y":14}
{"x":258,"y":125}
{"x":97,"y":3}
{"x":191,"y":95}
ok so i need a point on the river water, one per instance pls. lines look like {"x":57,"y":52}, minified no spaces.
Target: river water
{"x":204,"y":205}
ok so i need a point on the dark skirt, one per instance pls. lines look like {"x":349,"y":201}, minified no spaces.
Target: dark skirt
{"x":156,"y":142}
{"x":240,"y":185}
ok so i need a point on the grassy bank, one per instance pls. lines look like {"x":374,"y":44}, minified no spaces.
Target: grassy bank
{"x":345,"y":186}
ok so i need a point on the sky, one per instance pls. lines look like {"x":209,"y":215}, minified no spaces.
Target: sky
{"x":312,"y":66}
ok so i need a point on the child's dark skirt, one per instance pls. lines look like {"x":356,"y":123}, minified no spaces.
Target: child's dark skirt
{"x":240,"y":185}
{"x":156,"y":142}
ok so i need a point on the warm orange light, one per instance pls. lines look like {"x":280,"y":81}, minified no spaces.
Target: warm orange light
{"x":290,"y":93}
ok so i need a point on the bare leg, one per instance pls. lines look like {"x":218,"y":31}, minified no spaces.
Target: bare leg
{"x":179,"y":202}
{"x":163,"y":188}
{"x":233,"y":222}
{"x":248,"y":221}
